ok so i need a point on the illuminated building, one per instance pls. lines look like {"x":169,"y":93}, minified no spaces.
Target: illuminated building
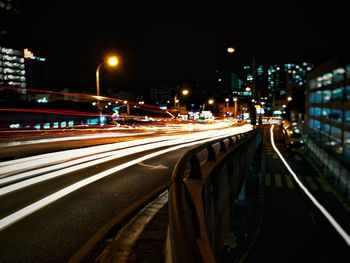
{"x":21,"y":69}
{"x":328,"y":120}
{"x":275,"y":83}
{"x":12,"y":68}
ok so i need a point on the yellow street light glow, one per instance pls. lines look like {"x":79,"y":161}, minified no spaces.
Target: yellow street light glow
{"x":211,"y":101}
{"x":230,"y":50}
{"x":234,"y":99}
{"x":113,"y":61}
{"x":227,"y":99}
{"x":185,"y":92}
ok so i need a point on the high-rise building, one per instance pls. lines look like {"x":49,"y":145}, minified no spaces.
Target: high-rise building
{"x":12,"y":68}
{"x":275,"y":84}
{"x":328,"y":120}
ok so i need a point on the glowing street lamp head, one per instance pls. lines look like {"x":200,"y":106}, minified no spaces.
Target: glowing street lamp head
{"x":211,"y":101}
{"x":230,"y":50}
{"x":185,"y":92}
{"x":113,"y":61}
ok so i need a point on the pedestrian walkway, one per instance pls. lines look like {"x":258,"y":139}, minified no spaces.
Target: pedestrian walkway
{"x":292,"y":229}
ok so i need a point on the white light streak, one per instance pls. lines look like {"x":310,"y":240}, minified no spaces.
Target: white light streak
{"x":63,"y":156}
{"x":328,"y":216}
{"x":79,"y":164}
{"x":90,"y":158}
{"x":70,"y":138}
{"x":24,"y":212}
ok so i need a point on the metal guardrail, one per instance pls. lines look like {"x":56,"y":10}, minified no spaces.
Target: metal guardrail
{"x":202,"y":194}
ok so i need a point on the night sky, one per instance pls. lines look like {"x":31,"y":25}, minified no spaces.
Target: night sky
{"x":172,"y":41}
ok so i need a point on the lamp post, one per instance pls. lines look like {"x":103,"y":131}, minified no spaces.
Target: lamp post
{"x":112,"y":61}
{"x":235,"y":101}
{"x":227,"y":100}
{"x":210,"y":102}
{"x":184,"y":92}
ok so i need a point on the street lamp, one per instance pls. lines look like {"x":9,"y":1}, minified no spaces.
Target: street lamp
{"x":184,"y":92}
{"x":210,"y":102}
{"x":230,"y":50}
{"x":111,"y":61}
{"x":227,"y":100}
{"x":235,"y":101}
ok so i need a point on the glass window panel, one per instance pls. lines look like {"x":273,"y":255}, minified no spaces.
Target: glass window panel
{"x":347,"y":137}
{"x":347,"y":92}
{"x":337,"y":94}
{"x":318,"y":97}
{"x":327,"y":79}
{"x":336,"y":133}
{"x":347,"y":117}
{"x":326,"y":112}
{"x":325,"y":128}
{"x":326,"y":95}
{"x":338,"y":75}
{"x":312,"y":97}
{"x":336,"y":115}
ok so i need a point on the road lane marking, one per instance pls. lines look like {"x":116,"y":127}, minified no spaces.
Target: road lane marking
{"x":327,"y":215}
{"x":278,"y":180}
{"x":289,"y":181}
{"x":158,"y":166}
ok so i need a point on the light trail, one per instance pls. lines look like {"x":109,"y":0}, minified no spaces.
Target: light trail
{"x":72,"y":138}
{"x":79,"y":164}
{"x":24,"y":212}
{"x":50,"y":158}
{"x":328,"y":216}
{"x":61,"y":156}
{"x":92,"y":159}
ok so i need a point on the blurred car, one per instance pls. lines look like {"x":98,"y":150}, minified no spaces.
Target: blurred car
{"x":294,"y":139}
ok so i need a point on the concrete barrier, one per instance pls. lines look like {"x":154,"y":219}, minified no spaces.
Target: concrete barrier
{"x":201,"y":195}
